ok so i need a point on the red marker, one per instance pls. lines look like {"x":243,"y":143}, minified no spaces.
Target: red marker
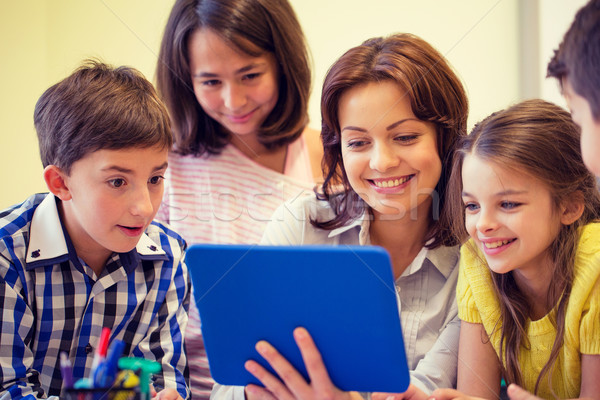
{"x":100,"y":354}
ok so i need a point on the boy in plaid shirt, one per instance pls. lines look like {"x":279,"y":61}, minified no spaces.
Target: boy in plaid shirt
{"x":88,"y":255}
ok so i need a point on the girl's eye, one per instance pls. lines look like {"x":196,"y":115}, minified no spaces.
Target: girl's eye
{"x":155,"y":180}
{"x":471,"y":207}
{"x":509,"y":205}
{"x":251,"y":76}
{"x":212,"y":82}
{"x":116,"y":183}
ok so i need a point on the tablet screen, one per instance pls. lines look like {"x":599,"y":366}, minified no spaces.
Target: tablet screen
{"x":343,"y":295}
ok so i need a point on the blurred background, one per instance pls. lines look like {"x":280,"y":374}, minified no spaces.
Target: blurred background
{"x":499,"y":48}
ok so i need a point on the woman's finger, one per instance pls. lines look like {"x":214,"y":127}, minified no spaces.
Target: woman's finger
{"x":272,"y":384}
{"x":313,"y":361}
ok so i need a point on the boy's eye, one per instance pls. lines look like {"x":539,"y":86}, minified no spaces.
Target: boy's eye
{"x":116,"y":183}
{"x":155,"y":180}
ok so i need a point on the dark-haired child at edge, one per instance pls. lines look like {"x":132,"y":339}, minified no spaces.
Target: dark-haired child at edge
{"x":392,"y":110}
{"x":88,"y":255}
{"x":529,"y":281}
{"x":575,"y":65}
{"x":235,"y":76}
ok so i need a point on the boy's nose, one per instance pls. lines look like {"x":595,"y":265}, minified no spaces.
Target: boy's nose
{"x":142,"y":204}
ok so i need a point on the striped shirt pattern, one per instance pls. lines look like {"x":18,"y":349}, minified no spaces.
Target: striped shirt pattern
{"x":225,"y":198}
{"x":52,"y":302}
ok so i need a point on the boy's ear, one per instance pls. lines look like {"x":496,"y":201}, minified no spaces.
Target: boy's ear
{"x":56,"y":181}
{"x":572,"y":208}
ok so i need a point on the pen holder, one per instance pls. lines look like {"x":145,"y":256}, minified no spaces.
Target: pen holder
{"x":101,"y":394}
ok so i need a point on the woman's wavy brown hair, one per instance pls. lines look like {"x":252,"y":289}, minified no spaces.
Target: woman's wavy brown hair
{"x":436,"y":95}
{"x":540,"y":139}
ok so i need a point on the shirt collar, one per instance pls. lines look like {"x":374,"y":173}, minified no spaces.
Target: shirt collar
{"x":442,"y":258}
{"x":49,"y":242}
{"x":363,"y":222}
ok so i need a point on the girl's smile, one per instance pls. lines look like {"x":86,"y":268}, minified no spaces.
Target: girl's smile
{"x":500,"y":205}
{"x":493,"y":246}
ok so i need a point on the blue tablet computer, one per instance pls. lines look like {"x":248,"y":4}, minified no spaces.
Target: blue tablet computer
{"x":343,"y":295}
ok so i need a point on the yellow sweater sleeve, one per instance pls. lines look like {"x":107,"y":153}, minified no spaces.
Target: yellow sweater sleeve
{"x":586,"y":290}
{"x":467,"y":309}
{"x":477,"y":300}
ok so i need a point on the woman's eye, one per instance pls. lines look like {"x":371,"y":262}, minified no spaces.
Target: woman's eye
{"x":406,"y":138}
{"x":116,"y":183}
{"x":356,"y":144}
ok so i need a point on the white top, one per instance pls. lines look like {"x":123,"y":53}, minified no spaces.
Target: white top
{"x":228,"y":198}
{"x":426,"y":289}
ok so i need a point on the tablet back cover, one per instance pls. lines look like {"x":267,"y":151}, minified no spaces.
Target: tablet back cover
{"x":343,"y":295}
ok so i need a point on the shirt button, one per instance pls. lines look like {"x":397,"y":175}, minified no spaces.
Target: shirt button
{"x":89,"y":348}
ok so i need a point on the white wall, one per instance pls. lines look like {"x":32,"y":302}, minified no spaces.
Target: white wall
{"x":42,"y":41}
{"x":479,"y":38}
{"x":555,"y":18}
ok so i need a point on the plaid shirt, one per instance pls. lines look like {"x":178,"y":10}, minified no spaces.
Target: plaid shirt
{"x":51,"y":301}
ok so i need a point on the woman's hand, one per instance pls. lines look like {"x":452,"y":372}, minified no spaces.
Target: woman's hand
{"x":167,"y":394}
{"x":448,"y":394}
{"x":292,"y":384}
{"x":412,"y":393}
{"x":516,"y":392}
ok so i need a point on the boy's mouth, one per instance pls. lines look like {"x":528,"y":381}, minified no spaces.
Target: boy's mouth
{"x":131,"y":230}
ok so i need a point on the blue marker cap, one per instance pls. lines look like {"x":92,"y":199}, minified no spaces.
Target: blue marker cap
{"x":107,"y":369}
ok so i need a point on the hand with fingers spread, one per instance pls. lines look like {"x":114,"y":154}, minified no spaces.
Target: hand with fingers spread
{"x":292,"y":384}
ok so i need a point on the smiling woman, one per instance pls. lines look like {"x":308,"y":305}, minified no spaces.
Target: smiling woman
{"x":387,"y":149}
{"x":392,"y":161}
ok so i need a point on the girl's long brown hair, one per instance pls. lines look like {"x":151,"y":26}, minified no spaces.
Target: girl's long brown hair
{"x":540,"y":139}
{"x":255,"y":27}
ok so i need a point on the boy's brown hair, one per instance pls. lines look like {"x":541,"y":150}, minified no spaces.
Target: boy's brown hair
{"x":99,"y":107}
{"x":578,"y":56}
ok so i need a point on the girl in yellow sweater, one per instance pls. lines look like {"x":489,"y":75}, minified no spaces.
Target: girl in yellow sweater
{"x":529,"y":280}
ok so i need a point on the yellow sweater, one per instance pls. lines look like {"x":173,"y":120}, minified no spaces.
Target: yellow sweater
{"x":478,"y":303}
